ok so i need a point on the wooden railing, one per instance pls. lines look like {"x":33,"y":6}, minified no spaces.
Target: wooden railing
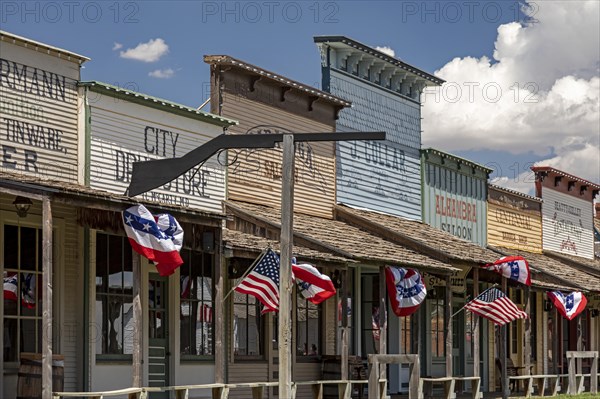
{"x":221,"y":391}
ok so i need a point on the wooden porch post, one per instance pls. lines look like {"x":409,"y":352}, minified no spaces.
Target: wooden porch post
{"x":344,"y":317}
{"x":47,"y":298}
{"x":382,"y":321}
{"x":502,"y":354}
{"x":285,"y":281}
{"x":447,"y":316}
{"x":219,"y":309}
{"x":527,"y":352}
{"x":475,"y":336}
{"x":137,"y":321}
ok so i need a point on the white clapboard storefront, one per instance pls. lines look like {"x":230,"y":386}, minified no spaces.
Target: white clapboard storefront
{"x":123,"y":131}
{"x":123,"y":127}
{"x":39,"y":141}
{"x":38,"y":111}
{"x":567,"y":224}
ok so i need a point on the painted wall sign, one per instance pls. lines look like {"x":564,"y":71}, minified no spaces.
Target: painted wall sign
{"x":38,"y":115}
{"x":123,"y":132}
{"x":455,"y":202}
{"x":567,"y":224}
{"x":379,"y":175}
{"x":254,"y":175}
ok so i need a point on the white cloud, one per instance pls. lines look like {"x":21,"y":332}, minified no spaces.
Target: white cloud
{"x":386,"y":50}
{"x":147,"y":52}
{"x":117,"y":46}
{"x":167,"y":73}
{"x":540,"y":93}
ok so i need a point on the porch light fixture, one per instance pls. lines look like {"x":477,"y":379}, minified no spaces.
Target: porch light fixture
{"x":22,"y":204}
{"x":594,"y":312}
{"x":547,"y":305}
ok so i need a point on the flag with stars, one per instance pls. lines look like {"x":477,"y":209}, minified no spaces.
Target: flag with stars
{"x":312,"y":285}
{"x":495,"y":306}
{"x":157,"y":238}
{"x":512,"y":267}
{"x":406,"y":289}
{"x":263,"y":281}
{"x":569,"y":306}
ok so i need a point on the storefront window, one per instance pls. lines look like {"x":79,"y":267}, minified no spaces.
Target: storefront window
{"x":247,"y":325}
{"x":437,"y":325}
{"x":197,"y":315}
{"x":22,"y":291}
{"x":114,"y":296}
{"x":308,"y":316}
{"x":370,"y":314}
{"x":405,"y":336}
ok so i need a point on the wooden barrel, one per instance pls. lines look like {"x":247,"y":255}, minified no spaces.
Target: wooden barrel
{"x":29,"y":384}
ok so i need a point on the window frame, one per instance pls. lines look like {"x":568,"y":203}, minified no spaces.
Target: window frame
{"x":34,"y":220}
{"x":186,"y":357}
{"x":261,"y":326}
{"x":108,"y":357}
{"x":319,"y":308}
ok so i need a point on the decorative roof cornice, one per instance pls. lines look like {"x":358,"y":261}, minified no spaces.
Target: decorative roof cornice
{"x":460,"y":160}
{"x":7,"y":37}
{"x":158,"y":103}
{"x":275,"y":78}
{"x":374,"y":66}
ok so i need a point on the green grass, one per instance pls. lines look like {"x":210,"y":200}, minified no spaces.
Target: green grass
{"x":580,"y":396}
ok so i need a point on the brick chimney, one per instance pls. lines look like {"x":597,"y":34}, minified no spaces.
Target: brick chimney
{"x":597,"y":210}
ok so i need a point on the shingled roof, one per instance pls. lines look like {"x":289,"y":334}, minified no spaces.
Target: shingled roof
{"x":591,"y":266}
{"x":254,"y":244}
{"x":416,"y":234}
{"x":571,"y":276}
{"x":341,"y":238}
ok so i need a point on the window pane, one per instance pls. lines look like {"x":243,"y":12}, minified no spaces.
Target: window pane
{"x":28,"y":294}
{"x":11,"y":238}
{"x":28,"y":248}
{"x":28,"y":336}
{"x":101,"y":263}
{"x":10,"y":335}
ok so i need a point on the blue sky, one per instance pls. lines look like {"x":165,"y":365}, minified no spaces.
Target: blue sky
{"x":477,"y":41}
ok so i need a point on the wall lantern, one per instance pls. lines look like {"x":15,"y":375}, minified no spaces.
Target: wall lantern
{"x":547,"y":305}
{"x":594,"y":312}
{"x":22,"y":204}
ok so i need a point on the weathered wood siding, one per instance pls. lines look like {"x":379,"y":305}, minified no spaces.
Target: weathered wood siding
{"x":254,"y":176}
{"x":567,"y":224}
{"x":38,"y":113}
{"x":514,"y":222}
{"x":455,"y":198}
{"x":379,"y":175}
{"x":123,"y":132}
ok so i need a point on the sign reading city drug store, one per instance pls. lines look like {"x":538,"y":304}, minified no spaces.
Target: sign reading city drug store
{"x":124,"y":132}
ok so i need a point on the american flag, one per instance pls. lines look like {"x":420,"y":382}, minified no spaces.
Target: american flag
{"x":263,"y":281}
{"x":205,"y":313}
{"x":495,"y":306}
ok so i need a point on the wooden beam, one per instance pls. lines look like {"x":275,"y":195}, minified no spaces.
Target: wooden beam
{"x":448,"y":324}
{"x":47,"y":298}
{"x":138,"y":329}
{"x":475,"y":337}
{"x":502,"y":355}
{"x":527,"y":352}
{"x":346,"y":289}
{"x":382,"y":320}
{"x":219,"y":309}
{"x":285,"y":268}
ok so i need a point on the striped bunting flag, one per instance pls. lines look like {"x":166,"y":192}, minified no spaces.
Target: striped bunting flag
{"x":495,"y":306}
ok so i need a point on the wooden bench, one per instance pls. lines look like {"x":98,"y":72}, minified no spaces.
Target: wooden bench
{"x":475,"y":385}
{"x":448,"y":383}
{"x":344,"y":387}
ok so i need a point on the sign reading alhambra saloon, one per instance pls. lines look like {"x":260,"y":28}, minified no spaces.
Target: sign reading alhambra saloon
{"x":454,"y":195}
